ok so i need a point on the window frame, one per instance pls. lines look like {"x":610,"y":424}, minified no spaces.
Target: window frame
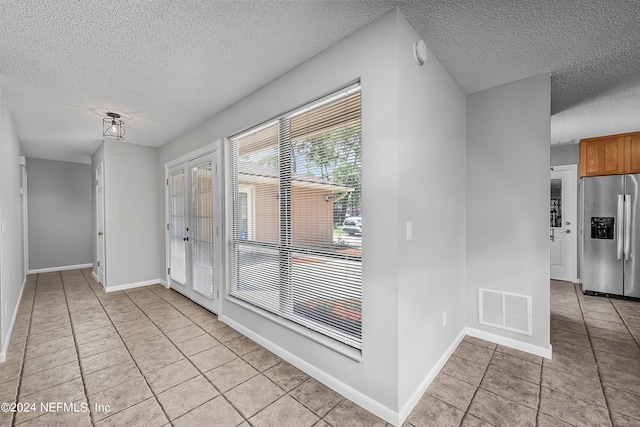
{"x":351,"y":348}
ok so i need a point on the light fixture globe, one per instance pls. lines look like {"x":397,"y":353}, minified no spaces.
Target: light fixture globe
{"x":113,"y":127}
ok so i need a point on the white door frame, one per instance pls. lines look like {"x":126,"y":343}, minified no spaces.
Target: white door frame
{"x":572,"y":213}
{"x":218,"y":261}
{"x":100,"y":237}
{"x":25,"y":214}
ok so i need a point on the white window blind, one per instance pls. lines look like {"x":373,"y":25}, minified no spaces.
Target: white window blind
{"x":295,"y":180}
{"x":202,"y":229}
{"x":178,"y":219}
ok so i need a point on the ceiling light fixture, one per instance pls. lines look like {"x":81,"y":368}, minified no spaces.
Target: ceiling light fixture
{"x":113,"y":127}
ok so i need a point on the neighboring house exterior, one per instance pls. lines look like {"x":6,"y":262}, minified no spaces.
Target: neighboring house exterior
{"x":311,"y":200}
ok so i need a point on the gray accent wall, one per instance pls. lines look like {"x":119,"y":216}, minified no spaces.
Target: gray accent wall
{"x":60,"y":226}
{"x":508,"y":139}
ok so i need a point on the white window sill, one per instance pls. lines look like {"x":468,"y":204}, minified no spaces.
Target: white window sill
{"x":332,"y":344}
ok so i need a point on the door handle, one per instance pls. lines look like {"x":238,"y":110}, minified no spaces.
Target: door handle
{"x":186,"y":239}
{"x":567,"y":231}
{"x":100,"y":233}
{"x":627,"y":226}
{"x":620,"y":227}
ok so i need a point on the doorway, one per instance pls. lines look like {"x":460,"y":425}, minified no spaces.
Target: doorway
{"x":193,"y":229}
{"x":563,"y":245}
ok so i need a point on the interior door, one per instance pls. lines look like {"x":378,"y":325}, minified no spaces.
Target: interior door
{"x":100,"y":239}
{"x":194,"y":213}
{"x":563,"y":246}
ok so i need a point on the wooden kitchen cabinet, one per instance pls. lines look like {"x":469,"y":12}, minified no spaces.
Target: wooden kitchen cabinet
{"x":632,"y":153}
{"x":610,"y":155}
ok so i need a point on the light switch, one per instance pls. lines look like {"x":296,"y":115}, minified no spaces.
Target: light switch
{"x":409,"y":230}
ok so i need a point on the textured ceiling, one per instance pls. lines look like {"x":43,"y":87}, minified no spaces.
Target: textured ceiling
{"x":169,"y":65}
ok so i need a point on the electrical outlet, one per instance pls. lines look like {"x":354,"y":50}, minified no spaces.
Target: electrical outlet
{"x":444,"y":318}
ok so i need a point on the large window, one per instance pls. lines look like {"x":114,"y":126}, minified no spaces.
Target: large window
{"x":297,"y":217}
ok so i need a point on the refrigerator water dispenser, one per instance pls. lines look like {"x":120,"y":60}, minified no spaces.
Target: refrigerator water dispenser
{"x":602,"y":227}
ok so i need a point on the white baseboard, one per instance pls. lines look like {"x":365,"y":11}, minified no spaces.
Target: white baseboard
{"x":509,"y":342}
{"x":61,"y":268}
{"x":5,"y":344}
{"x":426,"y":382}
{"x":346,"y":390}
{"x":133,"y":285}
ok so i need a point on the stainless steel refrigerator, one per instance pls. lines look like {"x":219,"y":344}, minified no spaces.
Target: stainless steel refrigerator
{"x":611,"y":243}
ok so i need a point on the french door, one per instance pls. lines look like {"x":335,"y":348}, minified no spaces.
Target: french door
{"x":193,"y":230}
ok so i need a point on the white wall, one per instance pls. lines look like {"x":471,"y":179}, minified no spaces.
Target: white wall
{"x":565,"y":154}
{"x":369,"y":54}
{"x":431,"y":194}
{"x":381,"y":55}
{"x":12,"y":274}
{"x":508,"y":137}
{"x":132,"y":232}
{"x":60,"y":232}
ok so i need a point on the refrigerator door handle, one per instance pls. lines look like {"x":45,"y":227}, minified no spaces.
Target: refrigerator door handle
{"x":620,"y":227}
{"x":627,"y":226}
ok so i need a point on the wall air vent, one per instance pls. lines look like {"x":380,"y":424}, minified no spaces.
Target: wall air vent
{"x":505,"y":311}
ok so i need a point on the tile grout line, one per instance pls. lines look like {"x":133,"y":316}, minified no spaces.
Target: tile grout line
{"x":73,"y":333}
{"x":287,"y":393}
{"x":466,"y":412}
{"x":221,"y":343}
{"x":625,"y":324}
{"x":128,"y":351}
{"x":593,"y":351}
{"x":540,"y":391}
{"x":24,"y":354}
{"x":187,"y":358}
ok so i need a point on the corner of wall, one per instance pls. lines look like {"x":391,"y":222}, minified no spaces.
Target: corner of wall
{"x":508,"y":140}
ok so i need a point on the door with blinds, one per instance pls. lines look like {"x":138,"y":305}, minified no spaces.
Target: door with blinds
{"x":193,"y":224}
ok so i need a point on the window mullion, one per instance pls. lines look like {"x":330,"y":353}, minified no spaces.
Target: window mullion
{"x":284,"y":147}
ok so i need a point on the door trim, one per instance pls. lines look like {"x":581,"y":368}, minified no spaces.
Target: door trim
{"x":219,"y":264}
{"x":24,"y":191}
{"x":573,"y":194}
{"x":101,"y":272}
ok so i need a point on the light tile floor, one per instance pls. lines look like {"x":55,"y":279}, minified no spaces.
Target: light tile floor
{"x":592,"y":380}
{"x":158,"y":359}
